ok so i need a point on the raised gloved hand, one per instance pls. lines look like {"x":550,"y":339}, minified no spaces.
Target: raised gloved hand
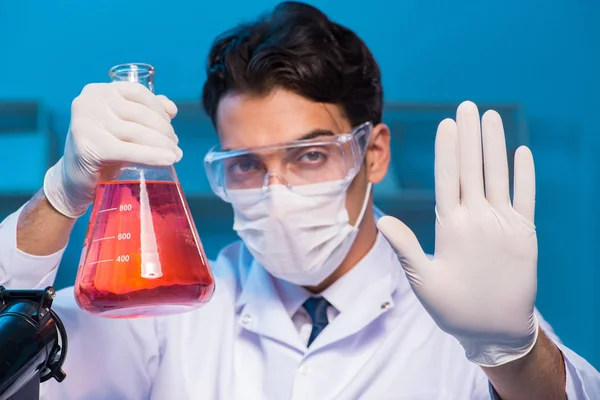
{"x":110,"y":122}
{"x":481,"y":284}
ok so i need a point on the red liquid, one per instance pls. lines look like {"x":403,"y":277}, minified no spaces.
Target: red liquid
{"x":142,"y":255}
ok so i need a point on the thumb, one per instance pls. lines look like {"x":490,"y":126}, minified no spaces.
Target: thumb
{"x":406,"y":245}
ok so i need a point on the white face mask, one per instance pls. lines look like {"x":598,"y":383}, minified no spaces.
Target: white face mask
{"x":297,"y":236}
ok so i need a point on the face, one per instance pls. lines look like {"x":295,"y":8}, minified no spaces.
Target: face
{"x":282,"y":116}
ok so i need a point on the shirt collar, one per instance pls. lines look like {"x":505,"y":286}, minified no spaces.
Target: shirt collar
{"x":342,"y":294}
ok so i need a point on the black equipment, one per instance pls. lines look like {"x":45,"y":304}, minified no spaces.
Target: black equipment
{"x":33,"y":343}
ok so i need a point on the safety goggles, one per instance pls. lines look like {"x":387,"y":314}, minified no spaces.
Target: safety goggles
{"x":295,"y":164}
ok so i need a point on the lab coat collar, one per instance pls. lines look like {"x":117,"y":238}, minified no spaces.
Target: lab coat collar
{"x":261,"y":311}
{"x":363,"y":294}
{"x":345,"y":292}
{"x":292,"y":296}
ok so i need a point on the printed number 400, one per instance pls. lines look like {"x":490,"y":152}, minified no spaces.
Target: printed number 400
{"x":123,"y":258}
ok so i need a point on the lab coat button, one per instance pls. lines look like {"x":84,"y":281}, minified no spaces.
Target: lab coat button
{"x":246,"y":319}
{"x":304,"y":369}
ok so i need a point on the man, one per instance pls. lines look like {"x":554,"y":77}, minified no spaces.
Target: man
{"x":313,"y":304}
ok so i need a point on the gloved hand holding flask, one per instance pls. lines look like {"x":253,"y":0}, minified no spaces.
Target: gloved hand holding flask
{"x":142,"y":255}
{"x":110,"y":122}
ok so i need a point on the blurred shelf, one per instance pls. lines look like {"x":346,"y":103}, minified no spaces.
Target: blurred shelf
{"x":411,"y":205}
{"x":413,"y":127}
{"x":12,"y":198}
{"x":214,"y":217}
{"x":24,"y":161}
{"x":27,"y":148}
{"x":9,"y":203}
{"x":26,"y":115}
{"x":208,"y":207}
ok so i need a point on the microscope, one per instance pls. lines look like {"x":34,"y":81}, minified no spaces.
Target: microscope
{"x":33,"y":343}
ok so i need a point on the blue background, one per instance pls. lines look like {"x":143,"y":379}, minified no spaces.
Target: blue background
{"x":543,"y":57}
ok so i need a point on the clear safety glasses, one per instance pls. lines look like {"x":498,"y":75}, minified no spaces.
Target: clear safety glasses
{"x":295,"y":164}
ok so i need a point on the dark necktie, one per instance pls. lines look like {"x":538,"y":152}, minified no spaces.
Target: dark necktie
{"x":317,"y":309}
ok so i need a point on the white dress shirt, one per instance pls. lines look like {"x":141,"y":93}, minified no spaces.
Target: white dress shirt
{"x":249,"y":341}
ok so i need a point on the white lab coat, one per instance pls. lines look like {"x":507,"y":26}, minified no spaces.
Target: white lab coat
{"x":249,"y":342}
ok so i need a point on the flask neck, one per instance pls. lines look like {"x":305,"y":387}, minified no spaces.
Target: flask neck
{"x":134,"y":72}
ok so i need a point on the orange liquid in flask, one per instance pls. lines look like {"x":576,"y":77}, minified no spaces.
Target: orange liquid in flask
{"x":142,"y":255}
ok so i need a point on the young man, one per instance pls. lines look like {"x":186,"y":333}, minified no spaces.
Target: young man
{"x":313,"y":303}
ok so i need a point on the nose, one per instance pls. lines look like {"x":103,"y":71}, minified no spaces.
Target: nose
{"x":274,"y":178}
{"x":275,"y":167}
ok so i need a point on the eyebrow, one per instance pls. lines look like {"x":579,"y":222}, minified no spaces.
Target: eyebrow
{"x":315,"y":133}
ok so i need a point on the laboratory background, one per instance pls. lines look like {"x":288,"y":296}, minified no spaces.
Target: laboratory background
{"x":537,"y":63}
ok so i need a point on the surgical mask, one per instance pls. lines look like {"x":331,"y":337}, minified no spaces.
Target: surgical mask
{"x":301,"y":236}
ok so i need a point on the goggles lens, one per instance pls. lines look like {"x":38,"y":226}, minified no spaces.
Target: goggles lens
{"x":307,"y":162}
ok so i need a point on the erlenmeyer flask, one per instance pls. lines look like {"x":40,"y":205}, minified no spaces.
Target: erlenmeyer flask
{"x":142,"y":255}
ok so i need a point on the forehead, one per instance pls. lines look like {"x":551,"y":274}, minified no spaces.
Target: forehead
{"x":281,"y":116}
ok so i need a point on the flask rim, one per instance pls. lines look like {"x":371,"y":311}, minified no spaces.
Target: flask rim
{"x":142,"y":70}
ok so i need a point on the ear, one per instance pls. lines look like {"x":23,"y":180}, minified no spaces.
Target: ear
{"x":378,"y":153}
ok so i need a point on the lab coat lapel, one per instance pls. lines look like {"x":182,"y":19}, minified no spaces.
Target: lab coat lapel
{"x":373,"y":302}
{"x":262,"y":312}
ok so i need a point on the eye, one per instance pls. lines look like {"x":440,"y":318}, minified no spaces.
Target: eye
{"x":313,"y":157}
{"x":243,"y":166}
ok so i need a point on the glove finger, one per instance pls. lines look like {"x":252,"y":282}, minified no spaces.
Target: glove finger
{"x":169,"y":106}
{"x":495,"y":160}
{"x":141,"y":114}
{"x":405,"y":243}
{"x":141,"y":154}
{"x":135,"y":133}
{"x":524,"y":184}
{"x":447,"y":189}
{"x":138,"y":93}
{"x":470,"y":162}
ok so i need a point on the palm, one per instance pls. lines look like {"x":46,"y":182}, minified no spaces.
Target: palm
{"x":486,"y":252}
{"x":481,"y":281}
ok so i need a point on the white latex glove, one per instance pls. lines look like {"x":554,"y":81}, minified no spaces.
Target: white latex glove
{"x":110,"y":122}
{"x":481,"y":284}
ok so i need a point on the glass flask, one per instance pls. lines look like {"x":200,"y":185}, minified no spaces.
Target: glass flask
{"x":142,"y":255}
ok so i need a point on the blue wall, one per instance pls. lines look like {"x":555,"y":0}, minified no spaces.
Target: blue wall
{"x":544,"y":57}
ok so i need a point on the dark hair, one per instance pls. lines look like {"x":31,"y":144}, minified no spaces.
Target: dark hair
{"x":296,"y":47}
